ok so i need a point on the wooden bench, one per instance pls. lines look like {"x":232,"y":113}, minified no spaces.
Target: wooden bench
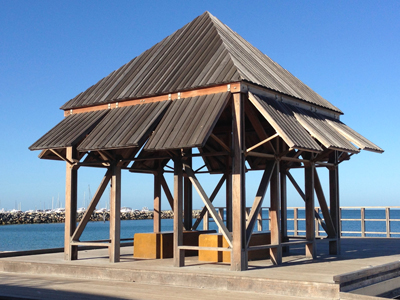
{"x":159,"y":245}
{"x":217,"y":240}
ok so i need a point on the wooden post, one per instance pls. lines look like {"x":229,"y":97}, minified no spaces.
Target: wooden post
{"x":316,"y":225}
{"x":239,"y":251}
{"x":387,"y":214}
{"x":295,"y":222}
{"x":71,"y":196}
{"x":115,"y":210}
{"x":179,"y":255}
{"x":284,"y":232}
{"x":334,"y":246}
{"x":274,"y":215}
{"x":228,"y":189}
{"x":310,"y":225}
{"x":187,"y":196}
{"x":206,"y":220}
{"x":260,"y":220}
{"x":157,"y":201}
{"x":362,"y":221}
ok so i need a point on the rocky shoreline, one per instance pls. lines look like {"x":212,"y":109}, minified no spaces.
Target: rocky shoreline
{"x":59,"y":217}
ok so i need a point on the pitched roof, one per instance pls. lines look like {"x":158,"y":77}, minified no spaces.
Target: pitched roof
{"x":205,"y":52}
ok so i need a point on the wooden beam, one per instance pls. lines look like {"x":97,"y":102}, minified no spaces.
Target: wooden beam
{"x":274,"y":216}
{"x":115,"y":210}
{"x":283,"y":181}
{"x":157,"y":201}
{"x":324,"y":207}
{"x":218,"y":140}
{"x":262,"y":142}
{"x":212,"y":197}
{"x":239,"y":252}
{"x":71,"y":196}
{"x":262,"y":189}
{"x":210,"y":207}
{"x":179,"y":255}
{"x":167,"y":191}
{"x":62,"y":157}
{"x":334,"y":246}
{"x":310,"y":210}
{"x":228,"y":190}
{"x":95,"y":200}
{"x":187,"y":196}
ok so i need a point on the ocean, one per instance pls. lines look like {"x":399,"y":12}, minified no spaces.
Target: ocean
{"x":41,"y":236}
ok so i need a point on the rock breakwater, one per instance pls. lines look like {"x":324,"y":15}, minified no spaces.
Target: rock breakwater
{"x":7,"y":218}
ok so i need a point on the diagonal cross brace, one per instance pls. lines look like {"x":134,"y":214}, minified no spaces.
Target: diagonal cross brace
{"x":212,"y":197}
{"x":208,"y":204}
{"x":255,"y":209}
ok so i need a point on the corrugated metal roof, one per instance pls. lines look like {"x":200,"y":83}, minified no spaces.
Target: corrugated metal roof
{"x":354,"y":136}
{"x":125,"y":127}
{"x":282,"y":119}
{"x":204,"y":52}
{"x":188,"y":122}
{"x":69,"y":131}
{"x":320,"y":129}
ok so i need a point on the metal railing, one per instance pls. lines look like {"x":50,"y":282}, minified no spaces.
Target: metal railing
{"x":354,"y":221}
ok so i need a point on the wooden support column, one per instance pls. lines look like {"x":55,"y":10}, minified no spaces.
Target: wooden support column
{"x":228,"y":189}
{"x":334,"y":246}
{"x":239,"y":251}
{"x":157,"y":201}
{"x":310,"y":206}
{"x":115,"y":210}
{"x":179,"y":255}
{"x":71,"y":196}
{"x":284,"y":233}
{"x":187,"y":196}
{"x":274,"y":215}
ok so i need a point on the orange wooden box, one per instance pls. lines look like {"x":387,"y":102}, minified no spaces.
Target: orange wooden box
{"x":160,"y":244}
{"x":217,"y":240}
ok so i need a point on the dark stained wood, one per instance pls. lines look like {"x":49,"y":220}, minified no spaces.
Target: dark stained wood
{"x":157,"y":201}
{"x":334,"y":246}
{"x":283,"y":181}
{"x":179,"y":255}
{"x":71,"y":196}
{"x":167,"y":192}
{"x":187,"y":195}
{"x":228,"y":192}
{"x":310,"y":210}
{"x":239,"y":251}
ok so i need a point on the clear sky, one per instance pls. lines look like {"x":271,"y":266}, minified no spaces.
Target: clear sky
{"x":347,"y":51}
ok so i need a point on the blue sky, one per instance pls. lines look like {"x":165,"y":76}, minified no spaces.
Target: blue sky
{"x":347,"y":51}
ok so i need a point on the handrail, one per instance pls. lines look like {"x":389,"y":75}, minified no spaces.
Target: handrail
{"x":296,"y":231}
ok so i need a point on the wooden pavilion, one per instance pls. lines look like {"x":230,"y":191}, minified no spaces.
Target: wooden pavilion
{"x":205,"y":87}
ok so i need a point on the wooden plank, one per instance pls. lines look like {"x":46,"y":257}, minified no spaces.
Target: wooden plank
{"x":115,"y":210}
{"x":218,"y":140}
{"x":167,"y":191}
{"x":330,"y":229}
{"x":262,"y":142}
{"x":284,"y":229}
{"x":239,"y":253}
{"x":61,"y":157}
{"x":310,"y":210}
{"x":95,"y":200}
{"x":210,"y":207}
{"x":274,"y":215}
{"x":228,"y":191}
{"x":212,"y":197}
{"x":71,"y":196}
{"x":157,"y":202}
{"x":258,"y":200}
{"x":179,"y":255}
{"x":204,"y":248}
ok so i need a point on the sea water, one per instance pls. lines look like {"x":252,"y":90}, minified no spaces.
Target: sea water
{"x":41,"y":236}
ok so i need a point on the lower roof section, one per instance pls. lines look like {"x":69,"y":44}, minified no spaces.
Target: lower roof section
{"x":124,"y":127}
{"x":188,"y":122}
{"x":70,"y":131}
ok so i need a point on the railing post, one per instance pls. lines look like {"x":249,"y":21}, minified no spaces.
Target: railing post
{"x":362,"y":221}
{"x":295,"y":224}
{"x":206,"y":221}
{"x":221,"y":215}
{"x":317,"y":223}
{"x":259,"y":220}
{"x":387,"y":213}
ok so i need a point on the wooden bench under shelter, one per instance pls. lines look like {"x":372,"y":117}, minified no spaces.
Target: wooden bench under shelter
{"x":205,"y":87}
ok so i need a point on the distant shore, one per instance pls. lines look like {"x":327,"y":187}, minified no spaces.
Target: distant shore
{"x":11,"y":218}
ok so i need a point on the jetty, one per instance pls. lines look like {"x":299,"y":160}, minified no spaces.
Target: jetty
{"x":205,"y":101}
